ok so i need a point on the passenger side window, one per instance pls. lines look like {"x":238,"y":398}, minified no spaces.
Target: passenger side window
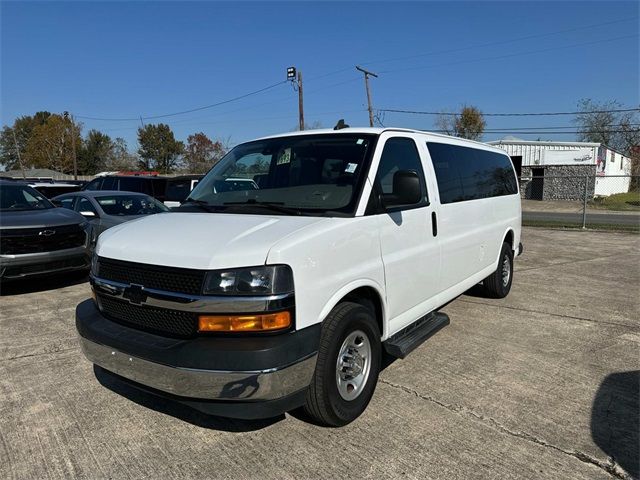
{"x":399,"y":153}
{"x":465,"y":173}
{"x":84,"y":205}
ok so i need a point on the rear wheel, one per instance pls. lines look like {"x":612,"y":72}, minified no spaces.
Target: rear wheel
{"x":347,"y":367}
{"x":498,"y":284}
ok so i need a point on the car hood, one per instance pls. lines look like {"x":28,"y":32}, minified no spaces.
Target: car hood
{"x":199,"y":240}
{"x":50,"y":217}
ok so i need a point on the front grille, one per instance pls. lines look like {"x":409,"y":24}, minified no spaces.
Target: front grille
{"x":74,"y":263}
{"x":170,"y":279}
{"x":156,"y":320}
{"x":17,"y":241}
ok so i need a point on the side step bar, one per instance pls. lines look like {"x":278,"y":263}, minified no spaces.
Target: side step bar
{"x":405,"y":341}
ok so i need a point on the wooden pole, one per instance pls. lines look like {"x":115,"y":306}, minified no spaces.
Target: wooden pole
{"x":366,"y":84}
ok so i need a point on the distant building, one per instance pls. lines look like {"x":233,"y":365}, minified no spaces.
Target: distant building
{"x":37,"y":174}
{"x":557,"y":170}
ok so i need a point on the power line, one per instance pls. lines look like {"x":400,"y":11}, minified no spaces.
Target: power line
{"x":492,"y":44}
{"x":527,"y":114}
{"x":530,"y":52}
{"x":197,"y":109}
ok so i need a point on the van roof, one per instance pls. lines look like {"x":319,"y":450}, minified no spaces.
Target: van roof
{"x":378,"y":131}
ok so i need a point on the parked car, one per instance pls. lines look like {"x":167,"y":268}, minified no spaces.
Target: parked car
{"x":52,"y":189}
{"x":251,"y":302}
{"x":153,"y":186}
{"x":37,"y":238}
{"x":106,"y":209}
{"x":179,"y":188}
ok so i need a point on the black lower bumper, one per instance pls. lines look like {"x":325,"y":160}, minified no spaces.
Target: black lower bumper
{"x":242,"y":377}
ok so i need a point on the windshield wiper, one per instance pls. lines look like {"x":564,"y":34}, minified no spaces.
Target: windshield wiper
{"x":206,"y":206}
{"x":275,"y":206}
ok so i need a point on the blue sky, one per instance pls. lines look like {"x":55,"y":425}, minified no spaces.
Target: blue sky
{"x":126,"y":59}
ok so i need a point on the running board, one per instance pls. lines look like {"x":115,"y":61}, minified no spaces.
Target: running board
{"x":405,"y":341}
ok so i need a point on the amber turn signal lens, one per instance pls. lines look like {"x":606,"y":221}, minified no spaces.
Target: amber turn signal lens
{"x":244,"y":323}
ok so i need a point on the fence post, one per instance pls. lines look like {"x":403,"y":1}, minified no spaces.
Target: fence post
{"x":584,"y":206}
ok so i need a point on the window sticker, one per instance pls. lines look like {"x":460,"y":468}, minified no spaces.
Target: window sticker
{"x":351,"y":168}
{"x":360,"y":141}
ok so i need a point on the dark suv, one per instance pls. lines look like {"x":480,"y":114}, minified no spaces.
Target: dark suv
{"x":36,"y":237}
{"x":153,"y":186}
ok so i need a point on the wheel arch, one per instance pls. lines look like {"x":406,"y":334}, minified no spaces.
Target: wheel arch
{"x":365,"y":292}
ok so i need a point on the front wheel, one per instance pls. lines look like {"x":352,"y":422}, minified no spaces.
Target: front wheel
{"x":347,"y":367}
{"x":498,"y":284}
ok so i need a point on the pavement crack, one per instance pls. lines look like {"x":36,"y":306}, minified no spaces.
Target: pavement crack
{"x":609,"y":466}
{"x":27,"y":355}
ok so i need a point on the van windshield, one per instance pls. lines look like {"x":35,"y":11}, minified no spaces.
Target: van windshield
{"x":306,"y":174}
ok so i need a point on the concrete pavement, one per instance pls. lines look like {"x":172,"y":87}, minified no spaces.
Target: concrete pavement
{"x":543,"y":384}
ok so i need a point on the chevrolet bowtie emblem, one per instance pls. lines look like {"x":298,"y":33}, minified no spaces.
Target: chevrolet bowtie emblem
{"x":135,"y":294}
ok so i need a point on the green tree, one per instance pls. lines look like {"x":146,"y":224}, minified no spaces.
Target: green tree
{"x":22,"y":128}
{"x":95,"y":152}
{"x":201,"y":153}
{"x":159,"y":150}
{"x":469,"y":123}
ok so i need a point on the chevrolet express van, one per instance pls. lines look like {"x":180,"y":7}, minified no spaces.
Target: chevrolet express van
{"x":252,"y":302}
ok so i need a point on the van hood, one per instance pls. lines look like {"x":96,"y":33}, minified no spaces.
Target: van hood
{"x":199,"y":240}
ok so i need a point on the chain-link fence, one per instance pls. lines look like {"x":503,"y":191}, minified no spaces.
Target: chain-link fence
{"x":600,"y":202}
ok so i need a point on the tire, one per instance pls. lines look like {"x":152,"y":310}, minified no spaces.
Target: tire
{"x":348,"y":324}
{"x":498,"y":284}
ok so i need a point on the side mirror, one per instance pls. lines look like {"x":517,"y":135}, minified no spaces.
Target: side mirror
{"x":88,"y":214}
{"x":57,"y":203}
{"x":406,"y":189}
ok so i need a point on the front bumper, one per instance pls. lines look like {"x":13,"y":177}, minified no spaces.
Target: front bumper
{"x":43,"y":263}
{"x":207,"y":372}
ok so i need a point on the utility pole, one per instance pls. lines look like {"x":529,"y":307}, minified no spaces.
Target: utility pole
{"x":366,"y":84}
{"x":292,"y":72}
{"x":73,"y":145}
{"x":15,"y":141}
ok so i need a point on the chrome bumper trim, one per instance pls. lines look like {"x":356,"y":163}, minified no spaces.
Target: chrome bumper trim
{"x":196,"y":303}
{"x":268,"y":384}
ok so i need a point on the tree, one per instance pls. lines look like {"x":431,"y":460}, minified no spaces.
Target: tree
{"x":51,"y":144}
{"x":159,"y":149}
{"x":618,"y":130}
{"x":598,"y":123}
{"x":201,"y":153}
{"x":119,"y":158}
{"x":469,"y":123}
{"x":22,"y":128}
{"x":94,"y":153}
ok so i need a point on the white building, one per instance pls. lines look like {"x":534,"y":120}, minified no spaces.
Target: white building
{"x":555,"y":159}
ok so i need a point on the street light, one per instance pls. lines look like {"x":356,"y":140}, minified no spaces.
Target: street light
{"x":291,"y":73}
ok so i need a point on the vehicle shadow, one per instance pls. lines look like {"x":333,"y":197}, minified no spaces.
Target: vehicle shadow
{"x":42,"y":284}
{"x":614,"y":419}
{"x":177,"y":409}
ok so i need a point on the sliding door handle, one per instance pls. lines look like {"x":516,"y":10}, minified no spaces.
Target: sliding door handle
{"x":434,"y":224}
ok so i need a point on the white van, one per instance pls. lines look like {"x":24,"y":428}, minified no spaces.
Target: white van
{"x":251,"y":302}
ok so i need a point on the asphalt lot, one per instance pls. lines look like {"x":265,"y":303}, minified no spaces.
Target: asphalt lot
{"x":543,"y":384}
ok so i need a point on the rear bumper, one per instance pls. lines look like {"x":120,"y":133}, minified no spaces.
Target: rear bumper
{"x":44,"y":263}
{"x":243,"y":377}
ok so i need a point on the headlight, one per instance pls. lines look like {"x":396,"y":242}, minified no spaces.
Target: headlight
{"x":263,"y":280}
{"x":94,"y":264}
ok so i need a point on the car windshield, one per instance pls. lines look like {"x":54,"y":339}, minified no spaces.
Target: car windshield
{"x":22,"y":197}
{"x":304,"y":174}
{"x":125,"y":205}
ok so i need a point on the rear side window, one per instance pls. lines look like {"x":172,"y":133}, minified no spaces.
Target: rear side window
{"x":132,"y":185}
{"x":109,"y":183}
{"x":465,"y":173}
